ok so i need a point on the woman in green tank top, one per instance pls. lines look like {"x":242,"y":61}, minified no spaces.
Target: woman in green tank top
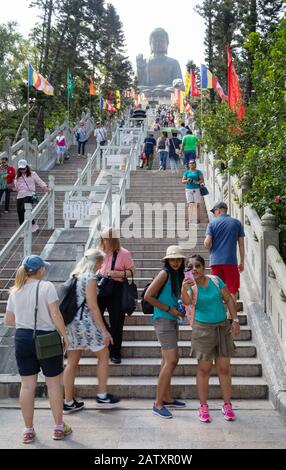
{"x":163,"y":294}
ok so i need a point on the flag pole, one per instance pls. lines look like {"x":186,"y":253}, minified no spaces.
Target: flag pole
{"x":68,"y":97}
{"x":201,"y":105}
{"x":28,"y":103}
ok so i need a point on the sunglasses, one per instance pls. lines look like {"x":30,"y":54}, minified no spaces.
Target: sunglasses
{"x":192,"y":266}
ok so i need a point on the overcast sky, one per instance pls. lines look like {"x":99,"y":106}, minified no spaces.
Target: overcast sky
{"x":139,"y":18}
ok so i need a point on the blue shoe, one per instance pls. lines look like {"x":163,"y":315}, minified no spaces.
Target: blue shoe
{"x":162,"y":412}
{"x":175,"y":404}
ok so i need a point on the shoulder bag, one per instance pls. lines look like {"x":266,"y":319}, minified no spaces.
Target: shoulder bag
{"x":177,"y":151}
{"x":34,"y":196}
{"x":105,"y":284}
{"x":129,"y":295}
{"x":49,"y":345}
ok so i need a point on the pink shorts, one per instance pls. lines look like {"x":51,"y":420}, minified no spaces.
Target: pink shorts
{"x":229,"y":274}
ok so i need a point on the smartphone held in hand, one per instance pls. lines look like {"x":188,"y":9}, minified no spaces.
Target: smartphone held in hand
{"x":189,"y":275}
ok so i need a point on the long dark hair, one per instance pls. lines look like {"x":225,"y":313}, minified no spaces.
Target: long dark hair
{"x":176,"y":274}
{"x":27,"y":173}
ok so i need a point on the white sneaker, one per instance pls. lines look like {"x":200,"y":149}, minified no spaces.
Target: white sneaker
{"x":35,"y":228}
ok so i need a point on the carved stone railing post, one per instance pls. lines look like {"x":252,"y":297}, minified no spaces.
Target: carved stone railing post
{"x":270,"y":237}
{"x":36,"y":153}
{"x":7,"y":147}
{"x":25,"y":136}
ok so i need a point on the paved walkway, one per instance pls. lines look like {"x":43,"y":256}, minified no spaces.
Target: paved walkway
{"x":133,"y":426}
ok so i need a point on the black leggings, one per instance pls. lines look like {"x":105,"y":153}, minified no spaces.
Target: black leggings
{"x":81,"y":145}
{"x":116,"y":317}
{"x":21,"y":208}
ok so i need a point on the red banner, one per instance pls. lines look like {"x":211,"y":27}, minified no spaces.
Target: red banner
{"x":235,"y":100}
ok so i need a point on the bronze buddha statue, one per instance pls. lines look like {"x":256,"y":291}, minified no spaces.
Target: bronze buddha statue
{"x":159,"y":69}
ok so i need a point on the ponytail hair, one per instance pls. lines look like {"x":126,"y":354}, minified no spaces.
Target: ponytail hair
{"x":20,"y":281}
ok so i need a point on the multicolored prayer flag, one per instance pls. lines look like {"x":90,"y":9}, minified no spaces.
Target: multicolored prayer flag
{"x":36,"y":80}
{"x":101,"y":104}
{"x":209,"y":80}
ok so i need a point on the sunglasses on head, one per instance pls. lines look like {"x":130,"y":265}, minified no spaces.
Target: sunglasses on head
{"x":192,"y":266}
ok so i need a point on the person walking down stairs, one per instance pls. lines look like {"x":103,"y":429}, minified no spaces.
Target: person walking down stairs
{"x":60,"y":144}
{"x":7,"y":176}
{"x":81,"y":137}
{"x":164,"y":293}
{"x":25,"y":185}
{"x":211,"y":333}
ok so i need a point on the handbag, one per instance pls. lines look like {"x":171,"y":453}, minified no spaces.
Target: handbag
{"x":105,"y":284}
{"x":34,"y":197}
{"x":204,"y":191}
{"x":177,"y":151}
{"x":129,"y":296}
{"x":49,"y":345}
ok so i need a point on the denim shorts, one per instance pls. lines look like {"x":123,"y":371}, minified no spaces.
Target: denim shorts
{"x":27,"y":361}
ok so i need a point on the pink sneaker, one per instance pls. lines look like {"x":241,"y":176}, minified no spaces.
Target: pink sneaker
{"x":204,"y":415}
{"x":35,"y":228}
{"x":28,"y":437}
{"x":228,"y":412}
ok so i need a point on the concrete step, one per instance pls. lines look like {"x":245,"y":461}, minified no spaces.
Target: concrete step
{"x":153,"y":349}
{"x":147,"y":333}
{"x":183,"y":387}
{"x":145,"y":387}
{"x":187,"y":367}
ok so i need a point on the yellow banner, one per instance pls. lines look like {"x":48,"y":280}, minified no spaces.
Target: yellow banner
{"x":188,"y":83}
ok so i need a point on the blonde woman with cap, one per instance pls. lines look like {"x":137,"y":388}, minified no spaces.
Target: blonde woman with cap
{"x":87,"y":331}
{"x":164,"y":293}
{"x":20,"y":313}
{"x":117,"y":264}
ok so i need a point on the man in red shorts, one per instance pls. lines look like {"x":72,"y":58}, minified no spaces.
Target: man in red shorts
{"x":222,"y":237}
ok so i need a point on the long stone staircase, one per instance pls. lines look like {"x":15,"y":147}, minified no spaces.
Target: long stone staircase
{"x":137,"y":376}
{"x":64,"y":175}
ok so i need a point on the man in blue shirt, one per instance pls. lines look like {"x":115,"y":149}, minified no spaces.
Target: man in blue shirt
{"x":222,"y":237}
{"x":149,"y":149}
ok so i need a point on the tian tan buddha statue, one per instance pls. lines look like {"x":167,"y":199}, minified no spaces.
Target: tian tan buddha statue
{"x":159,"y":69}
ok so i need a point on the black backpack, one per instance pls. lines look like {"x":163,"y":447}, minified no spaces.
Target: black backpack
{"x":68,"y":305}
{"x":147,"y":308}
{"x":162,"y":144}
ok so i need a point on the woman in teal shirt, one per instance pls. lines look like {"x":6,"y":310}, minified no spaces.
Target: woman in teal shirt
{"x":163,"y":294}
{"x":211,"y":333}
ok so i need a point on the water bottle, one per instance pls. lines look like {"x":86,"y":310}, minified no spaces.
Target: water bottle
{"x":182,"y":310}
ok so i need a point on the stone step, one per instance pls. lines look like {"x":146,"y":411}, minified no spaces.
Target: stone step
{"x":138,"y":318}
{"x":144,"y":387}
{"x":153,"y":349}
{"x":147,"y":333}
{"x":187,"y":367}
{"x":183,"y":387}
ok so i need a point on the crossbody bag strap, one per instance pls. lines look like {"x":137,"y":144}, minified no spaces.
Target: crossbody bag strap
{"x":114,"y":258}
{"x":26,"y":183}
{"x":36,"y":309}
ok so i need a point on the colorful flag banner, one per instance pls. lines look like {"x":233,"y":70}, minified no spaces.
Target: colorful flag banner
{"x":195,"y":89}
{"x":182,"y":101}
{"x":188,"y":109}
{"x":91,"y":87}
{"x":36,"y":80}
{"x":101,"y":104}
{"x":188,"y":83}
{"x":235,"y":100}
{"x":70,"y":83}
{"x":118,"y":99}
{"x":209,"y":80}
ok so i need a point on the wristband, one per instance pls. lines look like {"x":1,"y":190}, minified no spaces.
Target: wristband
{"x":236,"y":320}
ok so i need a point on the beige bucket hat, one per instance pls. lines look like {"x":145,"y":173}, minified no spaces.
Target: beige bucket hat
{"x":174,"y":252}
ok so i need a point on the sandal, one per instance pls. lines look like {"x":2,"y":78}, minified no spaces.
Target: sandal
{"x":59,"y":434}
